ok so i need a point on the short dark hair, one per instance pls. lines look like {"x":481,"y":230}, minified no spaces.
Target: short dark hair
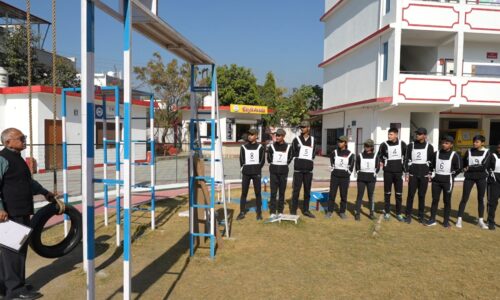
{"x":393,"y":129}
{"x":479,"y":137}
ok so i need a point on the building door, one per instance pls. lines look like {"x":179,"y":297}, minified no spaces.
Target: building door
{"x":494,"y":133}
{"x":359,"y":140}
{"x":49,"y":141}
{"x":331,"y":139}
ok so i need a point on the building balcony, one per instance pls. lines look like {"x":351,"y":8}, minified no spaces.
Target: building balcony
{"x":452,"y":15}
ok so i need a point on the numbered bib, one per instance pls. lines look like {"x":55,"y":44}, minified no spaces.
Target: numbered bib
{"x":443,"y":167}
{"x":252,"y":156}
{"x":367,"y":165}
{"x":341,"y":163}
{"x":394,"y":152}
{"x":419,"y":156}
{"x":497,"y":164}
{"x":306,"y":152}
{"x":280,"y":158}
{"x":476,"y":160}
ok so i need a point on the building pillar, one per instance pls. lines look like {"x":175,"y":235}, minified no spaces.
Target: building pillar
{"x":486,"y":126}
{"x":459,"y":53}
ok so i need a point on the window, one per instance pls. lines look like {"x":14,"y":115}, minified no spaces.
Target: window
{"x":110,"y":135}
{"x":241,"y":132}
{"x":385,"y":60}
{"x":209,"y":130}
{"x":387,"y":6}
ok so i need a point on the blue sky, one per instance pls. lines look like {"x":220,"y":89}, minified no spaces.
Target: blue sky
{"x":283,"y":36}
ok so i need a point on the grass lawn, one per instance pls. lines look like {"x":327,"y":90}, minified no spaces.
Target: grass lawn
{"x":315,"y":259}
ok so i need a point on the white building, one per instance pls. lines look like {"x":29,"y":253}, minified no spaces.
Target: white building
{"x":14,"y":112}
{"x":410,"y":64}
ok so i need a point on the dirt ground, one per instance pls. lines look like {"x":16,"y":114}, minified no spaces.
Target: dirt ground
{"x":316,"y":259}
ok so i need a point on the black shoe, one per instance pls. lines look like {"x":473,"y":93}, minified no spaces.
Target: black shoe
{"x":430,"y":223}
{"x":309,"y":214}
{"x":259,"y":216}
{"x":357,"y":217}
{"x":491,"y":226}
{"x":446,"y":225}
{"x":372,"y":215}
{"x":241,"y":216}
{"x":408,"y":220}
{"x":28,"y":295}
{"x":421,"y":220}
{"x":342,"y":216}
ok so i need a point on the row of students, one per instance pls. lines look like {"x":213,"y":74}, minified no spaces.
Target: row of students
{"x":279,"y":155}
{"x":418,"y":162}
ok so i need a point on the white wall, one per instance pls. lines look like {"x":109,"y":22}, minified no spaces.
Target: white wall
{"x":354,"y":21}
{"x":352,"y":77}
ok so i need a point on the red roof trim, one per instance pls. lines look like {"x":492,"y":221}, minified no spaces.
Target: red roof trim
{"x":331,"y":10}
{"x":48,"y":90}
{"x":352,"y":47}
{"x":357,"y":103}
{"x":223,"y":107}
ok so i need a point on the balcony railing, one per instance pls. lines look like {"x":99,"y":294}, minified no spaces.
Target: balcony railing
{"x":483,"y":2}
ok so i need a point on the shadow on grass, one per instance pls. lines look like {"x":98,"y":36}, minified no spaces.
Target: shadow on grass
{"x":65,"y":264}
{"x":150,"y":274}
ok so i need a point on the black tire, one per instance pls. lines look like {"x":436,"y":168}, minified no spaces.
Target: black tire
{"x":70,"y":241}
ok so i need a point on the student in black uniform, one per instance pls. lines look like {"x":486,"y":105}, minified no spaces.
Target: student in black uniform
{"x":279,"y":156}
{"x":252,"y":159}
{"x":417,"y":160}
{"x":391,"y":154}
{"x":367,"y":168}
{"x":304,"y":151}
{"x":494,"y":186}
{"x":446,"y":166}
{"x":342,"y":165}
{"x":476,"y":163}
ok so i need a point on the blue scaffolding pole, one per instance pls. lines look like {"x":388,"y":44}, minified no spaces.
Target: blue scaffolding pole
{"x":216,"y":178}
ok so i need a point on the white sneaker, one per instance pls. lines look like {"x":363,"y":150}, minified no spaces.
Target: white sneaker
{"x":481,"y":224}
{"x":459,"y":223}
{"x":272,"y":216}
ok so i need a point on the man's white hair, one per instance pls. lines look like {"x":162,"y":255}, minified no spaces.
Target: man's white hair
{"x":5,"y":136}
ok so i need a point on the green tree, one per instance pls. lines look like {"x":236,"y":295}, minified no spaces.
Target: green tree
{"x":14,"y":58}
{"x":297,"y":106}
{"x":237,"y":85}
{"x":170,"y":83}
{"x":272,"y":97}
{"x":65,"y":74}
{"x":316,"y":102}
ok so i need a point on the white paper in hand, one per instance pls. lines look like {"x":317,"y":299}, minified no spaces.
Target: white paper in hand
{"x":13,"y":235}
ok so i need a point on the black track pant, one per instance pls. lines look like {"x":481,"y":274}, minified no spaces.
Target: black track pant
{"x":481,"y":190}
{"x":493,"y":201}
{"x":447,"y":189}
{"x":370,"y":187}
{"x":245,"y":184}
{"x":299,"y":179}
{"x":391,"y":179}
{"x":342,"y":184}
{"x":415,"y":183}
{"x":13,"y":266}
{"x":278,"y":185}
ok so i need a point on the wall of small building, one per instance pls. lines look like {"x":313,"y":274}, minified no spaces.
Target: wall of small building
{"x":354,"y":21}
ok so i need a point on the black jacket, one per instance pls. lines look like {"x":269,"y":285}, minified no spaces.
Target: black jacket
{"x":456,"y":165}
{"x":479,"y":171}
{"x":279,"y":169}
{"x":350,"y":166}
{"x":17,"y":186}
{"x":363,"y":176}
{"x":303,"y":165}
{"x":392,"y":166}
{"x":418,"y":169}
{"x":252,"y":169}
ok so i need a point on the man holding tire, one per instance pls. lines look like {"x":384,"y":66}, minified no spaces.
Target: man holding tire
{"x":17,"y":188}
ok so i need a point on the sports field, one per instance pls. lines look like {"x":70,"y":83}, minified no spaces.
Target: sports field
{"x":316,"y":259}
